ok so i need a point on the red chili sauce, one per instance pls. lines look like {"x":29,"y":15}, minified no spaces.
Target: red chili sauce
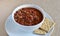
{"x":28,"y":16}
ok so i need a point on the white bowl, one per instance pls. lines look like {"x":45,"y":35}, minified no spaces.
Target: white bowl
{"x":28,"y":28}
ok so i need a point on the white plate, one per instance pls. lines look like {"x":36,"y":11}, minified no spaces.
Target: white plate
{"x":11,"y":29}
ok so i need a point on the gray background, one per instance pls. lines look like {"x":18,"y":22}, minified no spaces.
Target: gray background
{"x":52,"y":7}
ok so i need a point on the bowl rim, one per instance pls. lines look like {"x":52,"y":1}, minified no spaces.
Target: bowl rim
{"x":28,"y":5}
